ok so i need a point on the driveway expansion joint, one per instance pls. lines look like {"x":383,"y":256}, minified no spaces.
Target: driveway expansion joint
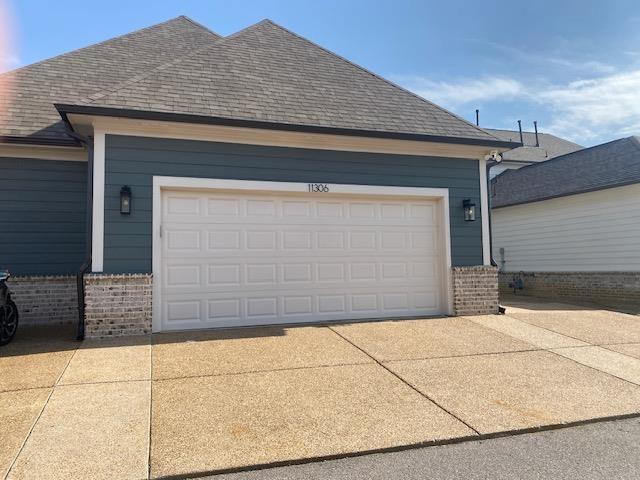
{"x":33,"y":426}
{"x":405,"y":382}
{"x":596,"y":368}
{"x":249,"y":372}
{"x":548,"y":330}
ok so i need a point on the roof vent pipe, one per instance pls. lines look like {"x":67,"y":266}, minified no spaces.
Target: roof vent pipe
{"x":535,"y":128}
{"x":477,"y":117}
{"x":520,"y":128}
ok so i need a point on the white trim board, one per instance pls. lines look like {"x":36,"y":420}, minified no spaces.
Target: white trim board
{"x":97,"y":230}
{"x":160,"y":183}
{"x":484,"y":213}
{"x":257,"y":136}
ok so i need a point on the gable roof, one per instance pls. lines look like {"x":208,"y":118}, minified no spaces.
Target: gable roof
{"x":550,"y":146}
{"x":608,"y":165}
{"x":27,"y":109}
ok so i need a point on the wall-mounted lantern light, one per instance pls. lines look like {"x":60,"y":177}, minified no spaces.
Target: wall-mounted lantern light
{"x":469,"y":210}
{"x":125,"y":200}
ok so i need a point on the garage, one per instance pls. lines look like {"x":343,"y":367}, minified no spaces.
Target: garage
{"x":296,"y":253}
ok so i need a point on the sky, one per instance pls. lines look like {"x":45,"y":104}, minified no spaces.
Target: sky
{"x":574,"y":66}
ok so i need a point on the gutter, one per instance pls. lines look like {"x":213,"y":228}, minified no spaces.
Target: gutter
{"x":42,"y":141}
{"x":65,"y":109}
{"x":492,"y":163}
{"x":570,"y":194}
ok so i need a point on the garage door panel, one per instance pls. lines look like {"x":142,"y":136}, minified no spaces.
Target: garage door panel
{"x":229,"y":274}
{"x":181,"y":205}
{"x":263,"y":310}
{"x":246,"y":259}
{"x":185,"y":207}
{"x":288,"y":274}
{"x":248,"y":243}
{"x":187,"y":276}
{"x":178,"y":311}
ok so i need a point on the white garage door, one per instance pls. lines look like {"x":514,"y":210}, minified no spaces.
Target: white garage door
{"x":233,"y":259}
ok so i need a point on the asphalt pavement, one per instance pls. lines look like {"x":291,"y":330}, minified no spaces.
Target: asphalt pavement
{"x":608,"y":450}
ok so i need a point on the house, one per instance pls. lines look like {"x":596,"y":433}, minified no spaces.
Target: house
{"x":188,"y":180}
{"x":570,"y":226}
{"x":536,"y":147}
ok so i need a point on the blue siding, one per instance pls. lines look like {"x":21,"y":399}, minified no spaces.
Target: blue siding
{"x":134,"y":161}
{"x":42,"y":215}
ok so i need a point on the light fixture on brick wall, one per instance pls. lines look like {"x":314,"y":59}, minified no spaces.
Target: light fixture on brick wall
{"x":125,"y":200}
{"x":469,"y":210}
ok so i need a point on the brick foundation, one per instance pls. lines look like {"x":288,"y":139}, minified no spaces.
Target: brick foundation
{"x":475,"y":290}
{"x":585,"y":285}
{"x":45,"y":300}
{"x":117,"y":305}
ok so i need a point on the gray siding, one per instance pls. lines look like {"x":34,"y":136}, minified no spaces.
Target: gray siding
{"x":42,"y":215}
{"x":134,"y":161}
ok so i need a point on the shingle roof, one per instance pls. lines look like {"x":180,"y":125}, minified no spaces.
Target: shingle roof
{"x":267,"y":73}
{"x":263,"y":73}
{"x":603,"y":166}
{"x":27,"y":108}
{"x":550,"y":145}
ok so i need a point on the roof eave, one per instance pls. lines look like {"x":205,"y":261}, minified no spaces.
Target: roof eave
{"x":41,"y":141}
{"x":65,"y":109}
{"x":568,"y":194}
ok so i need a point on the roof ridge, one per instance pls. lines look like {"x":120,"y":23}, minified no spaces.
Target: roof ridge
{"x":198,"y":24}
{"x":136,"y":78}
{"x":124,"y":35}
{"x":559,"y":157}
{"x":514,"y":131}
{"x":635,"y":139}
{"x":546,"y":134}
{"x":379,"y":77}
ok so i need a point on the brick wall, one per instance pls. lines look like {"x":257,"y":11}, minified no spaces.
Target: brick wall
{"x":475,"y":290}
{"x":618,"y":285}
{"x":45,"y":300}
{"x":117,"y":305}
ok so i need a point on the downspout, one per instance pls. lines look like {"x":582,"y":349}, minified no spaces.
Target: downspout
{"x":491,"y":163}
{"x":86,"y":264}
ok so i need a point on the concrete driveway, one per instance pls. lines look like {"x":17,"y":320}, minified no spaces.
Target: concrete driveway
{"x":188,"y":404}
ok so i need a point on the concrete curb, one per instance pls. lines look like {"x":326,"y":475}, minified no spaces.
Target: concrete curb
{"x":399,"y":448}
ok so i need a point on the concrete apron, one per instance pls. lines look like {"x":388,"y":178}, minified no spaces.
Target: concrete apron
{"x":228,"y":400}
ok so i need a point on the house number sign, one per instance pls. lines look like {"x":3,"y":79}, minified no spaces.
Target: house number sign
{"x":318,"y":187}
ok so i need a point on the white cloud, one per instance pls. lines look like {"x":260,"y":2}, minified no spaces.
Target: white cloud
{"x":453,"y":94}
{"x":587,"y":109}
{"x":583,"y":110}
{"x":576,"y":62}
{"x":587,"y":65}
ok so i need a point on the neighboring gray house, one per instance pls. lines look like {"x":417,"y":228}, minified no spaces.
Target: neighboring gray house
{"x":571,"y":226}
{"x":536,"y":148}
{"x":204,"y":181}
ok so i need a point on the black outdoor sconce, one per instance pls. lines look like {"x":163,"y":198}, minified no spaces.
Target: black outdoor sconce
{"x":125,"y":200}
{"x":469,"y":210}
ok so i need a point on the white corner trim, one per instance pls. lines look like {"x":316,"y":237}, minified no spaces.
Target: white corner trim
{"x":44,"y":152}
{"x":446,"y":277}
{"x":97,"y":232}
{"x":484,"y":213}
{"x":159,"y":183}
